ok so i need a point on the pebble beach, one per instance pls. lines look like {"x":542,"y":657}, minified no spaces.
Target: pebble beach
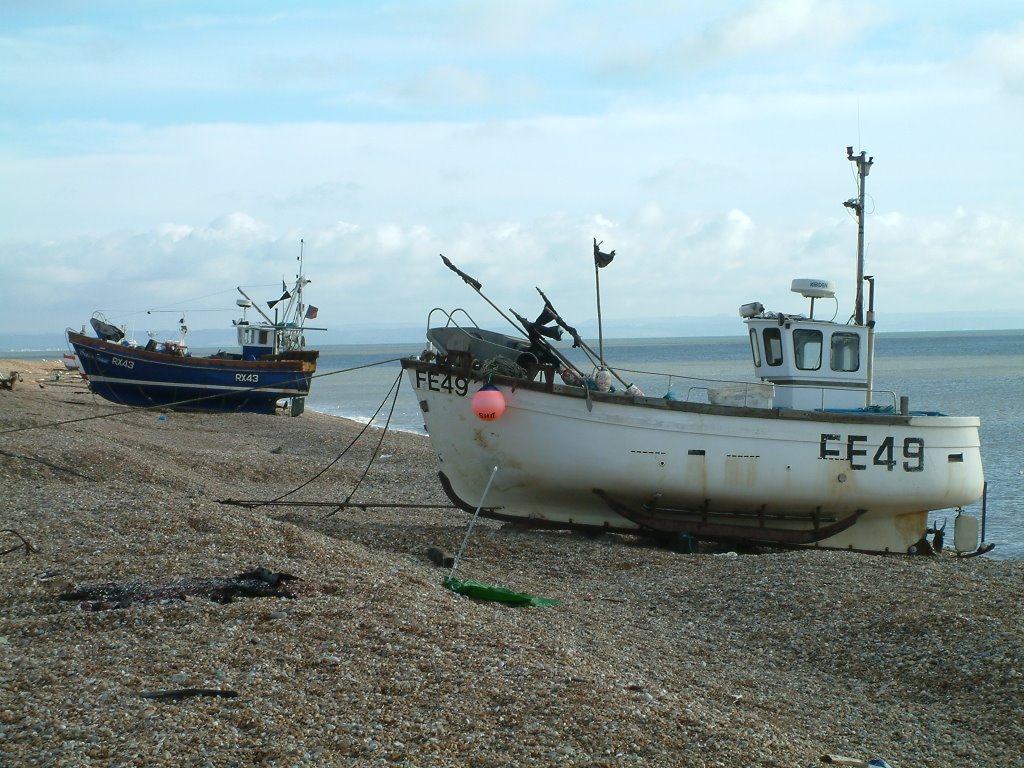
{"x":651,"y":657}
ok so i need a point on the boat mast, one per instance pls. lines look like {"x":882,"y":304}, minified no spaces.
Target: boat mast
{"x":600,"y":330}
{"x":301,"y":316}
{"x":601,"y":260}
{"x":288,"y":332}
{"x":857,"y":205}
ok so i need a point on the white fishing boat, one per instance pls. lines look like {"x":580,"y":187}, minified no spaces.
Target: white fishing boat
{"x":809,"y":454}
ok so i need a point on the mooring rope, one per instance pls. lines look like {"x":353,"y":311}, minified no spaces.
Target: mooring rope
{"x":392,"y":393}
{"x":253,"y":503}
{"x":170,"y":406}
{"x":393,"y":389}
{"x":376,"y":451}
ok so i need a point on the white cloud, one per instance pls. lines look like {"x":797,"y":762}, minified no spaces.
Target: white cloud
{"x":237,"y":227}
{"x":778,"y":26}
{"x":447,"y":84}
{"x":1002,"y":53}
{"x":703,"y":142}
{"x":680,"y":267}
{"x":756,"y":38}
{"x":505,"y":25}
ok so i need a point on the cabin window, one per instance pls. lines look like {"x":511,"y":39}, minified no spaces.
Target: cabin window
{"x":754,"y":349}
{"x":845,"y":352}
{"x":807,"y":346}
{"x":772,"y":346}
{"x":263,"y":337}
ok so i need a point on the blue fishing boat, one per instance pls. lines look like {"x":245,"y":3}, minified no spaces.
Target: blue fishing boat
{"x":271,"y":366}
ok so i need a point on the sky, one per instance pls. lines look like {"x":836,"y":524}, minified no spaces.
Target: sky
{"x":155,"y":155}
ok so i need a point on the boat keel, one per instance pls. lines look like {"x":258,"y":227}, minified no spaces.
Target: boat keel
{"x":657,"y":519}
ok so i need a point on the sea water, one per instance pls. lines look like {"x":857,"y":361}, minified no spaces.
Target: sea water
{"x":970,"y":373}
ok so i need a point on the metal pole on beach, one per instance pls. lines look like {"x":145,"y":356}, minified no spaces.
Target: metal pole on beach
{"x":465,"y":540}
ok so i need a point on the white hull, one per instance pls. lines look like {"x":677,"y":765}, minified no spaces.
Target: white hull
{"x":702,"y":468}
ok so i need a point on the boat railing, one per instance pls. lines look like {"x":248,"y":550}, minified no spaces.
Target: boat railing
{"x":690,"y":395}
{"x":449,"y":318}
{"x":673,"y":386}
{"x":741,"y":395}
{"x":884,"y":399}
{"x":879,"y":400}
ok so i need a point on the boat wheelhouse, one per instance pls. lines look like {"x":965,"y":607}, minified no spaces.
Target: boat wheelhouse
{"x":813,"y":364}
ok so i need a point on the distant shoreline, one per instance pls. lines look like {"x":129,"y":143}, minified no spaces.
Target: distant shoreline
{"x":12,"y":349}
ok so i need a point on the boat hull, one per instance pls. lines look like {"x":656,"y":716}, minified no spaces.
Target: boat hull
{"x":139,"y":377}
{"x":566,"y":458}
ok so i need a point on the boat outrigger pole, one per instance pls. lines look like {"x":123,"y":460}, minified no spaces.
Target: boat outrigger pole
{"x":256,"y":306}
{"x":577,"y":340}
{"x":477,"y":286}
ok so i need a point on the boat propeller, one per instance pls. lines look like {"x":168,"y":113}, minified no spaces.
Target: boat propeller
{"x":938,"y":535}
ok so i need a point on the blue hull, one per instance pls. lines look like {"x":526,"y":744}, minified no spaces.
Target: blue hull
{"x":137,"y":377}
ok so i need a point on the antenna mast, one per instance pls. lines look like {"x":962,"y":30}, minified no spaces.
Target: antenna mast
{"x":299,"y":284}
{"x":857,"y":205}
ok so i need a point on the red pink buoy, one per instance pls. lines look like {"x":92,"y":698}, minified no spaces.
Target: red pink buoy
{"x":488,"y":403}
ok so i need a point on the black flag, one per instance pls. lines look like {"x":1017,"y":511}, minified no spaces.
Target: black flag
{"x":602,"y":259}
{"x":284,"y":296}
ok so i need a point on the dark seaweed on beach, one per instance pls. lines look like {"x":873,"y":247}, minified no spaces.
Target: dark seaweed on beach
{"x":260,"y":582}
